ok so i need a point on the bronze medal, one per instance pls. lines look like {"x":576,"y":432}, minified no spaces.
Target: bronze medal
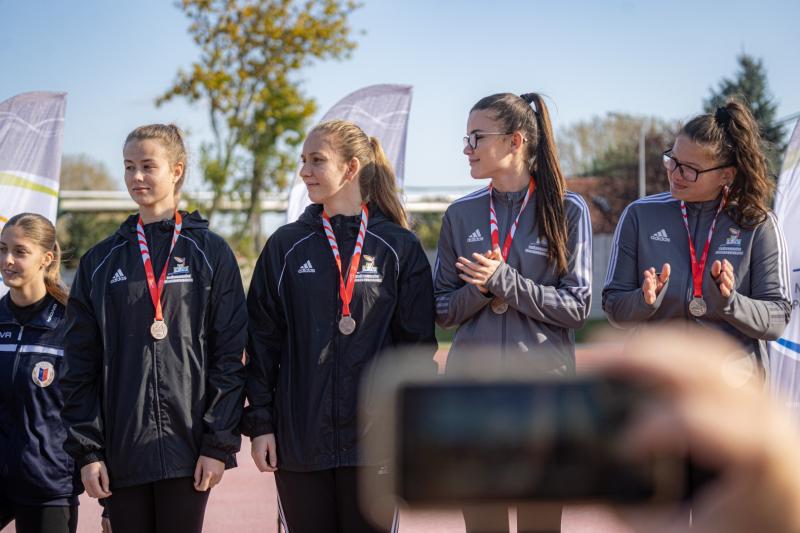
{"x":499,"y":306}
{"x":158,"y":329}
{"x":698,"y":307}
{"x":347,"y":325}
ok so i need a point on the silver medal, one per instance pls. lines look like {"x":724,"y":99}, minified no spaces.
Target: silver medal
{"x":347,"y":325}
{"x":698,"y":307}
{"x":499,"y":306}
{"x":158,"y":329}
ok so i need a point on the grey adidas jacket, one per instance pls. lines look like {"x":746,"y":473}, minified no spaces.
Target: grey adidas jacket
{"x":651,"y":233}
{"x":544,"y":308}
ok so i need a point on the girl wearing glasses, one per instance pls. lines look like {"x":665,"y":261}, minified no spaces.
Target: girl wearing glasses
{"x":719,"y":250}
{"x":514,"y":265}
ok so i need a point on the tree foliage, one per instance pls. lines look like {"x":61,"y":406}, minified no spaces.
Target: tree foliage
{"x":750,"y":85}
{"x":77,"y":232}
{"x":248,"y":75}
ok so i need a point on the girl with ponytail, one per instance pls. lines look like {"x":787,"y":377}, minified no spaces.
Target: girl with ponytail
{"x":722,"y":256}
{"x":514,"y":267}
{"x":41,"y":478}
{"x":329,"y":292}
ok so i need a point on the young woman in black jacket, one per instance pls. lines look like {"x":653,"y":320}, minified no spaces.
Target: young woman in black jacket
{"x":38,"y":483}
{"x":329,"y":292}
{"x":157,"y":327}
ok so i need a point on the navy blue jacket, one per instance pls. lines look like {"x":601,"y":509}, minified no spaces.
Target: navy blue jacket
{"x":34,"y":468}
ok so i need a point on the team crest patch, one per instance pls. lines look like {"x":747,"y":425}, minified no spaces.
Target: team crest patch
{"x":180,"y":272}
{"x":43,"y":373}
{"x":733,"y":244}
{"x":369,"y":270}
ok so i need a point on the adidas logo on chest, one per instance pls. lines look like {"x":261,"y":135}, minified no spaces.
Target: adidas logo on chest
{"x":117,"y":277}
{"x":475,"y":236}
{"x":306,"y":268}
{"x":660,"y":235}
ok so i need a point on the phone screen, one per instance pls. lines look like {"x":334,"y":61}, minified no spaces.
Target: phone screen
{"x":558,"y":440}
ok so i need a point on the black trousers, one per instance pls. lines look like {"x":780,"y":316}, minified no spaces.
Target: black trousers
{"x":324,"y":501}
{"x":38,"y":518}
{"x":530,"y":518}
{"x":168,"y":506}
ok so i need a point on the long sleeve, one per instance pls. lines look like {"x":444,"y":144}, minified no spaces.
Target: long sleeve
{"x":765,"y":313}
{"x":413,"y":320}
{"x":82,"y":378}
{"x":266,"y":335}
{"x":456,"y":300}
{"x":623,"y":300}
{"x":227,"y":332}
{"x":567,"y":304}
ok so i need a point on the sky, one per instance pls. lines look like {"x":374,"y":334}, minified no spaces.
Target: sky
{"x":589,"y":57}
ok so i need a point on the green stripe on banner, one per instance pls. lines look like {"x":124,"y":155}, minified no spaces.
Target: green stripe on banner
{"x":6,"y":178}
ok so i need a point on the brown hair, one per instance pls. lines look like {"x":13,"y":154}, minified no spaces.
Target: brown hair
{"x":171,"y":138}
{"x":376,"y":178}
{"x":42,"y":232}
{"x":733,"y":135}
{"x":516,"y":114}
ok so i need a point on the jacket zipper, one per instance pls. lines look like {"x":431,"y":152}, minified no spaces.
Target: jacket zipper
{"x":15,"y":367}
{"x":334,"y":388}
{"x":504,"y":338}
{"x":158,"y":412}
{"x":691,"y":276}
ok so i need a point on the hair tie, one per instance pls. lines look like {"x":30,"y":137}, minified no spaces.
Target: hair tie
{"x":722,"y":117}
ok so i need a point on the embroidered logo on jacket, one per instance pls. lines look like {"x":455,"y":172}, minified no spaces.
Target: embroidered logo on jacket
{"x":180,"y":272}
{"x":733,"y":244}
{"x":538,"y":247}
{"x":5,"y":335}
{"x":43,"y":373}
{"x":307,"y":268}
{"x":475,"y":236}
{"x":118,"y":276}
{"x":369,"y":271}
{"x":660,"y":235}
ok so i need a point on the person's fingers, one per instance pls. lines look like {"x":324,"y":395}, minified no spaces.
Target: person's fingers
{"x":648,"y":289}
{"x":259,"y":458}
{"x":272,"y":451}
{"x":727,"y":265}
{"x":105,"y":485}
{"x":665,"y":272}
{"x":198,"y":473}
{"x":471,"y":270}
{"x":481,"y":259}
{"x":716,"y":268}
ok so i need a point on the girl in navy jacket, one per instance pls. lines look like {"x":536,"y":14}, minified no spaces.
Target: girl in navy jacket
{"x":38,"y":483}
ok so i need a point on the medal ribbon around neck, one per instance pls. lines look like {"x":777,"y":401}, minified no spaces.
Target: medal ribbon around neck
{"x":493,"y":226}
{"x":698,"y":267}
{"x":346,"y":289}
{"x":156,"y":290}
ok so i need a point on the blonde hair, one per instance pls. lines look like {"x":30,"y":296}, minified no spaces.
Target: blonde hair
{"x":376,"y":179}
{"x":42,"y":232}
{"x":171,"y":138}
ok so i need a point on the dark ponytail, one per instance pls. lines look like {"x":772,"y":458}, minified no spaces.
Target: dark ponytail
{"x":732,"y":133}
{"x":516,"y":114}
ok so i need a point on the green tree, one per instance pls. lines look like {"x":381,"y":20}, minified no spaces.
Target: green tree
{"x":248,"y":75}
{"x":77,"y":232}
{"x":750,"y":85}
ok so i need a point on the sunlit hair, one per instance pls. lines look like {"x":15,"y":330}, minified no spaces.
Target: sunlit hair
{"x":732,"y":135}
{"x":376,"y":179}
{"x":42,"y":233}
{"x":171,"y":139}
{"x":515,"y":113}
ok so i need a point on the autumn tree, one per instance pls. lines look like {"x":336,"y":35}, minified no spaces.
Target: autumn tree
{"x":252,"y":53}
{"x":79,"y":231}
{"x":750,"y":85}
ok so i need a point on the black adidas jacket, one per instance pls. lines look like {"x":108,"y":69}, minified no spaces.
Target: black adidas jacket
{"x":151,"y":408}
{"x":34,"y":469}
{"x":303,"y":374}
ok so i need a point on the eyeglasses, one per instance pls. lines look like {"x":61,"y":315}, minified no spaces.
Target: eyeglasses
{"x":688,"y":173}
{"x":472,"y":139}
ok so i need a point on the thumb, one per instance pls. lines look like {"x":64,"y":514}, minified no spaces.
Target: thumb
{"x":104,"y":484}
{"x":198,"y":474}
{"x":716,"y":266}
{"x":666,"y":270}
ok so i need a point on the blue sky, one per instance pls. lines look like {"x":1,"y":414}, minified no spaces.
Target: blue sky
{"x":654,"y":58}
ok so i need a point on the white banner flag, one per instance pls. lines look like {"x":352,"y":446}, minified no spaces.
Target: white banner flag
{"x":31,"y":127}
{"x":382,"y":112}
{"x":784,"y":354}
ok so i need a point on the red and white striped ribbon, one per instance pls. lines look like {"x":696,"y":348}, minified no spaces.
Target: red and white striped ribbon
{"x":495,"y":230}
{"x":156,"y":289}
{"x":698,"y":267}
{"x":346,"y":289}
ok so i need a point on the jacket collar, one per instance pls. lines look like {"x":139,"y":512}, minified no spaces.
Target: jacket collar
{"x":191,"y":220}
{"x":312,"y":217}
{"x":47,"y":318}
